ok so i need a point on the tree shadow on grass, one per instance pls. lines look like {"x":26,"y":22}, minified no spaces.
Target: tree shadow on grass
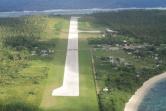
{"x":18,"y":106}
{"x":29,"y":43}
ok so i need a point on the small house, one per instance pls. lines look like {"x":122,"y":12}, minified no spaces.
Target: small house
{"x":33,"y":53}
{"x":105,"y":89}
{"x":44,"y":53}
{"x":112,"y":33}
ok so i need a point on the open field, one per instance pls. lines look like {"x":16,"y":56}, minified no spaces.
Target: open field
{"x":29,"y":88}
{"x":87,"y":99}
{"x":70,"y":86}
{"x":26,"y":90}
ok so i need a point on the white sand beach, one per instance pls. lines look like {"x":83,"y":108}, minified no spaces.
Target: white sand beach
{"x":136,"y":99}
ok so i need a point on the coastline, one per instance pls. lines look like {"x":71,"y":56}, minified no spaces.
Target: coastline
{"x":70,"y":11}
{"x":139,"y":95}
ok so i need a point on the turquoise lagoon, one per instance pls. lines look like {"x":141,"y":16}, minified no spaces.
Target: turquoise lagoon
{"x":155,"y":100}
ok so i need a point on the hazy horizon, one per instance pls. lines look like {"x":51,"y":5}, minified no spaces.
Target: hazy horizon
{"x":39,"y":5}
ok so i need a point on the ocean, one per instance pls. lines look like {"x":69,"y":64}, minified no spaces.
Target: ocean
{"x":30,"y":7}
{"x":69,"y":11}
{"x":155,"y":100}
{"x":40,"y":5}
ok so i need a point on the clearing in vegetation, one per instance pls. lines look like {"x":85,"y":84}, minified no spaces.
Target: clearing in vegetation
{"x":87,"y":99}
{"x":70,"y":86}
{"x":32,"y":60}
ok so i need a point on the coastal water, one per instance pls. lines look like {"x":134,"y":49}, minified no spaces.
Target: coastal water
{"x":40,"y":5}
{"x":155,"y":100}
{"x":14,"y":8}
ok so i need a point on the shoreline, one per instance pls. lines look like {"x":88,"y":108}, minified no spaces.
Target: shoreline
{"x":86,"y":9}
{"x":70,"y":11}
{"x":137,"y":98}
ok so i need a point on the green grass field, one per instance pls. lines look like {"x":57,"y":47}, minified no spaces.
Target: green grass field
{"x":25,"y":90}
{"x":43,"y":74}
{"x":87,"y":101}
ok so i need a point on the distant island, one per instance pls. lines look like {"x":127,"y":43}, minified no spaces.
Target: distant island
{"x":40,"y":5}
